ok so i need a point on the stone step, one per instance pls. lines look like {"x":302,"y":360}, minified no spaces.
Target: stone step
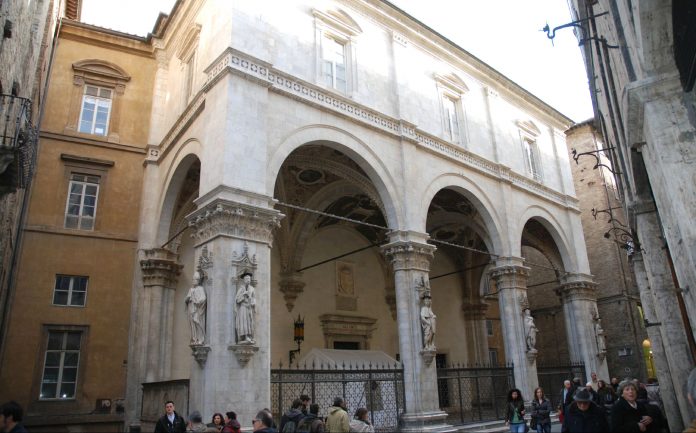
{"x":497,"y":426}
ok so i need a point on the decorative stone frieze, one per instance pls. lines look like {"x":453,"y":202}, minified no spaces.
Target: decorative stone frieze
{"x":404,"y":255}
{"x":510,"y":277}
{"x":160,"y":268}
{"x":291,"y":286}
{"x":237,"y":220}
{"x":337,"y":327}
{"x":200,"y":353}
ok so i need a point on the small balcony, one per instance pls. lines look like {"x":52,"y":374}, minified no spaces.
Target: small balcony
{"x":17,"y":143}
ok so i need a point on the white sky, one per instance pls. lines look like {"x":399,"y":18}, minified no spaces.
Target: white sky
{"x":503,"y":33}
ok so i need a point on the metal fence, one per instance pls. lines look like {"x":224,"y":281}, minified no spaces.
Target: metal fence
{"x":379,"y":389}
{"x":551,"y":378}
{"x":474,"y":393}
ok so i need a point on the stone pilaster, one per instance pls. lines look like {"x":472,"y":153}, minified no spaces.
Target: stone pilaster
{"x":667,"y":315}
{"x":160,"y":270}
{"x":239,"y":234}
{"x":475,"y":316}
{"x":664,"y":376}
{"x":410,"y":257}
{"x":578,"y":295}
{"x":511,"y":279}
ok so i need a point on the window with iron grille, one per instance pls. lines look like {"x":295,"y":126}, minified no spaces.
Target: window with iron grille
{"x":81,"y":206}
{"x":96,"y":108}
{"x":70,"y":290}
{"x":59,"y":378}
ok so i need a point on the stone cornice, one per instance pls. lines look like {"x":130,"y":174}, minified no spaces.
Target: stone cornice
{"x":405,"y":255}
{"x":238,"y":63}
{"x":160,"y":268}
{"x":237,"y":220}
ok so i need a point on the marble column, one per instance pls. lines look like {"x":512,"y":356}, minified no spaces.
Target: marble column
{"x":236,"y":230}
{"x":160,"y":271}
{"x":477,"y":336}
{"x":664,"y":375}
{"x":578,"y":295}
{"x":510,"y":276}
{"x":409,"y":257}
{"x":667,"y":315}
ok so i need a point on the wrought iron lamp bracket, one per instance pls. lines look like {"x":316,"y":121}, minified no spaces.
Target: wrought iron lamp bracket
{"x":578,"y":24}
{"x":595,"y":154}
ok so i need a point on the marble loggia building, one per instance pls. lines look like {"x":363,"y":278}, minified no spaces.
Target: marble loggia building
{"x":336,"y":160}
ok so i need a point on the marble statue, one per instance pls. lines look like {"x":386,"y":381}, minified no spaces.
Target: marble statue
{"x":599,"y":333}
{"x":246,"y":309}
{"x":428,"y":323}
{"x":196,"y":303}
{"x":530,"y":330}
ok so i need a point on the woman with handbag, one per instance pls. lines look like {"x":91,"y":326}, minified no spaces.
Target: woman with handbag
{"x":541,"y":412}
{"x":514,"y":415}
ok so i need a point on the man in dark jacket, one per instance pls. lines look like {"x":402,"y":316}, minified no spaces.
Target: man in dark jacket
{"x":11,"y":418}
{"x":294,"y":416}
{"x":231,"y":423}
{"x":312,"y":423}
{"x":170,"y":422}
{"x":566,"y":397}
{"x":584,"y":416}
{"x":263,"y":422}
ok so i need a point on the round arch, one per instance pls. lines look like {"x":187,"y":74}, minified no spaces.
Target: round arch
{"x":555,"y":229}
{"x":473,"y":193}
{"x":351,"y":146}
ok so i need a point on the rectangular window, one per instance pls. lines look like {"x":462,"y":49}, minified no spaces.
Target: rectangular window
{"x":493,"y":356}
{"x":188,"y":83}
{"x":451,"y":119}
{"x":489,"y":328}
{"x":81,"y":207}
{"x":334,"y":64}
{"x":532,"y":159}
{"x":59,"y":378}
{"x":96,"y":107}
{"x":70,"y":291}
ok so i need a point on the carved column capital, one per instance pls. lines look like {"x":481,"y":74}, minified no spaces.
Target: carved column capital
{"x":237,"y":220}
{"x":577,"y":287}
{"x":409,"y":255}
{"x":510,"y":276}
{"x":291,"y":285}
{"x":160,"y":268}
{"x":474,"y":310}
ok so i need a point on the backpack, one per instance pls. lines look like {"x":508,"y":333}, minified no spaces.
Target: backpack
{"x":290,"y":427}
{"x":307,"y":427}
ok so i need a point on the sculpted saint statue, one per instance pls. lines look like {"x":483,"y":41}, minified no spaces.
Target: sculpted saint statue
{"x":428,"y":323}
{"x":246,"y":309}
{"x":530,"y":330}
{"x":196,"y":302}
{"x":599,"y":332}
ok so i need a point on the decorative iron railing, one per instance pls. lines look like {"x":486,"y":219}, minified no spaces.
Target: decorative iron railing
{"x":470,"y":393}
{"x":379,"y":389}
{"x":17,"y":141}
{"x":551,"y":378}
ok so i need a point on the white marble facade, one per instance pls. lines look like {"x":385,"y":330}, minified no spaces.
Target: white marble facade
{"x":255,"y":95}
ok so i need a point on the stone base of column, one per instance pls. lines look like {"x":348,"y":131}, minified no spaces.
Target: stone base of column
{"x":425,"y":422}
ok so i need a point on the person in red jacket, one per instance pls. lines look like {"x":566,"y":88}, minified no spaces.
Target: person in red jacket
{"x":231,"y":423}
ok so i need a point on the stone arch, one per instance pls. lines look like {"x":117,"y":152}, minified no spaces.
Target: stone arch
{"x":174,"y":177}
{"x":554,"y":228}
{"x":476,"y":195}
{"x":345,"y":142}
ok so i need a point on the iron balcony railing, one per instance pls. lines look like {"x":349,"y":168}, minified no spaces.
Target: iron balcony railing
{"x":17,"y":141}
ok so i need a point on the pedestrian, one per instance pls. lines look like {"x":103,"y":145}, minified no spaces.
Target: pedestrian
{"x":584,"y":415}
{"x":263,"y":422}
{"x":541,"y":412}
{"x":627,"y":414}
{"x":291,"y":419}
{"x":305,"y":404}
{"x":595,"y":396}
{"x":566,"y":399}
{"x":337,"y":421}
{"x":361,"y":424}
{"x":312,"y":423}
{"x":195,"y":424}
{"x":218,"y":421}
{"x":170,"y":422}
{"x":607,"y":396}
{"x":231,"y":423}
{"x":11,"y":414}
{"x":594,"y":381}
{"x":514,"y":414}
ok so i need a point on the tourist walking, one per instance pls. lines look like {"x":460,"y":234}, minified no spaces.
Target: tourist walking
{"x":541,"y":412}
{"x":195,"y":424}
{"x":337,"y":421}
{"x":607,"y":396}
{"x":584,"y":415}
{"x":514,"y":414}
{"x":170,"y":422}
{"x":305,"y":404}
{"x":263,"y":423}
{"x":312,"y":423}
{"x":291,"y":419}
{"x":361,"y":424}
{"x":11,"y":414}
{"x":566,"y":399}
{"x":627,"y":414}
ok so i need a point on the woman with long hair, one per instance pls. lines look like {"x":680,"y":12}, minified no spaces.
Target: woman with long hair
{"x":514,"y":415}
{"x":218,"y":421}
{"x":541,"y":412}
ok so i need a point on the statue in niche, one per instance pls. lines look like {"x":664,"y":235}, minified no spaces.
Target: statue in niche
{"x":428,"y":323}
{"x":599,"y":334}
{"x":196,"y":304}
{"x":346,"y":284}
{"x":245,"y":302}
{"x":530,"y":330}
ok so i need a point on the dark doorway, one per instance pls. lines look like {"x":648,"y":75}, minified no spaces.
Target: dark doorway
{"x":346,"y":345}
